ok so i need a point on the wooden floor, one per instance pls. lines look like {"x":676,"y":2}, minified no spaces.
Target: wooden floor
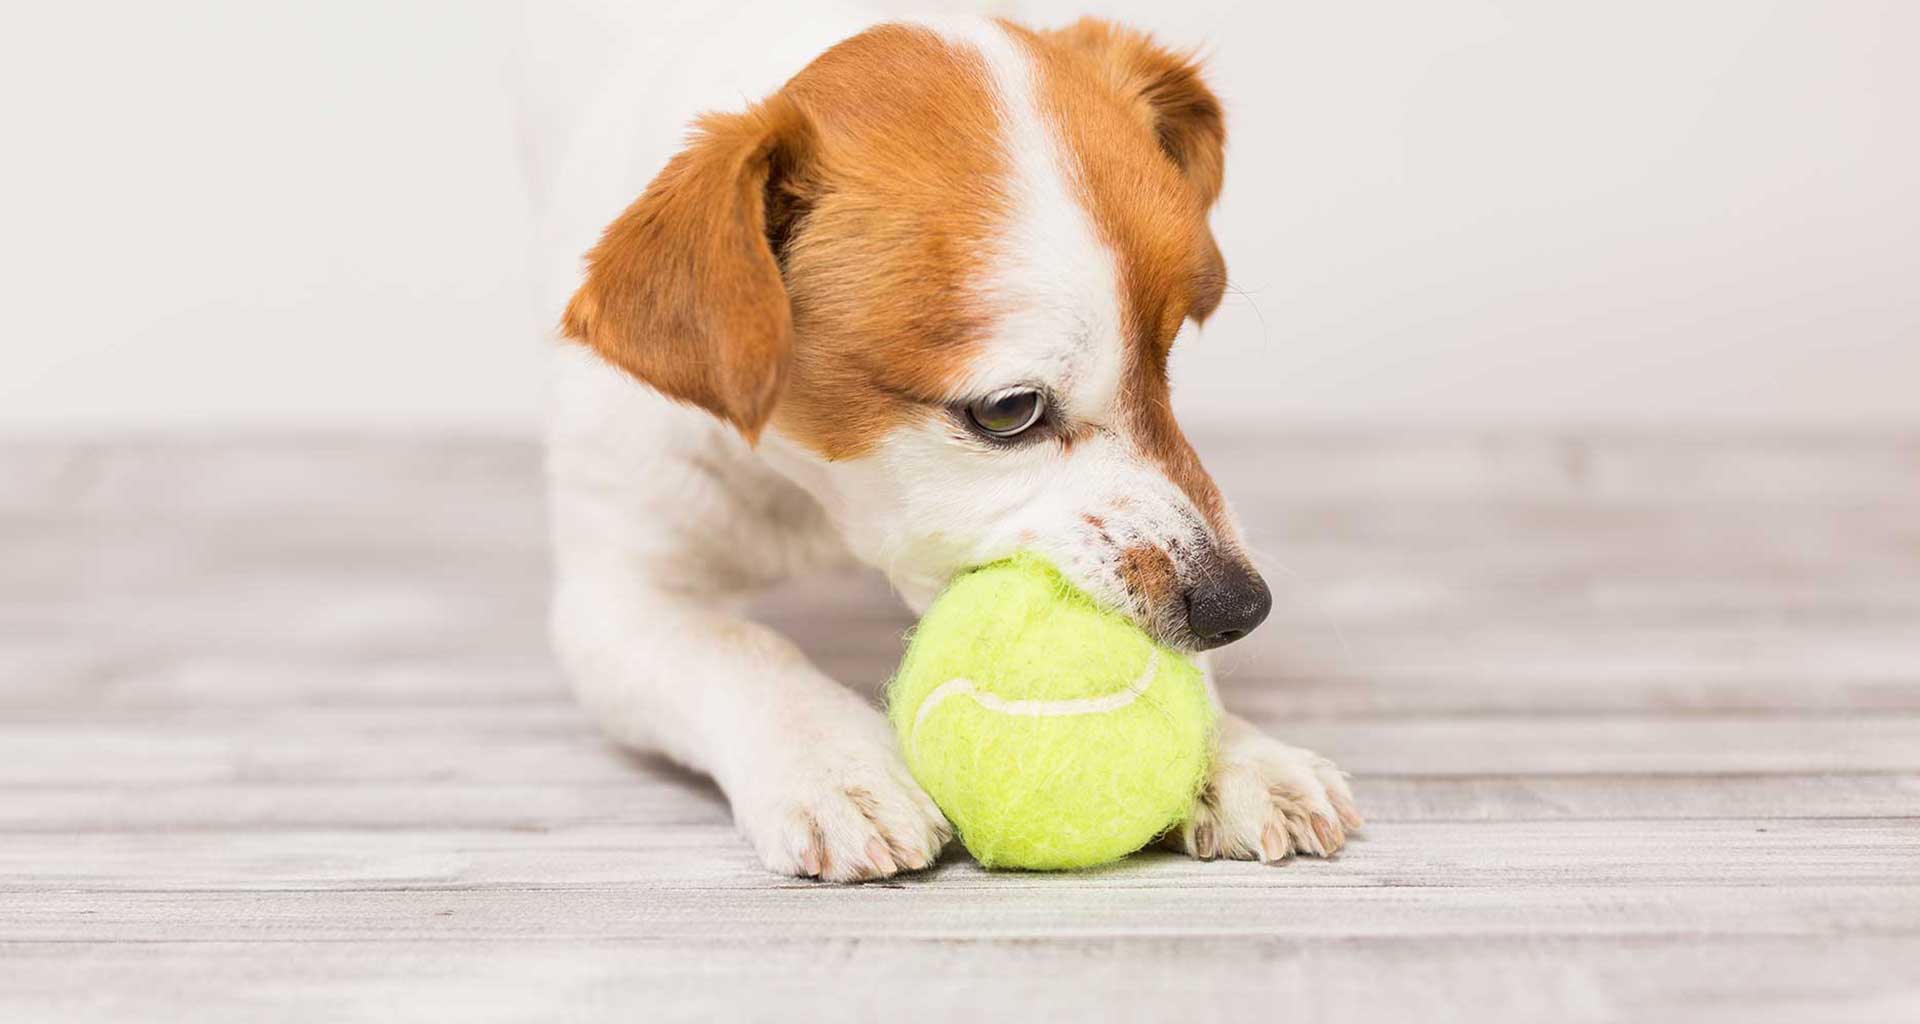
{"x":1635,"y":722}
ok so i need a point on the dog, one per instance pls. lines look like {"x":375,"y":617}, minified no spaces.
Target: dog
{"x":913,"y":310}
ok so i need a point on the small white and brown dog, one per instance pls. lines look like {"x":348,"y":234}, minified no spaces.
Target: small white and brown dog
{"x":915,"y":309}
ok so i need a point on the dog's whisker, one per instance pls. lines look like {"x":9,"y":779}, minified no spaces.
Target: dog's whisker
{"x":1270,"y":564}
{"x":1266,"y":333}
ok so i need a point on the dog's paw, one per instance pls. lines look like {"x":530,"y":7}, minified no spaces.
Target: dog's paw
{"x":843,"y":815}
{"x":1265,"y":800}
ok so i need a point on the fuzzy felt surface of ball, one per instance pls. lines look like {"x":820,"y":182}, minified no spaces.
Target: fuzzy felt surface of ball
{"x":1053,"y":734}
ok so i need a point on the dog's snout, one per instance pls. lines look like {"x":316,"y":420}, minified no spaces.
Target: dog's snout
{"x":1227,"y":605}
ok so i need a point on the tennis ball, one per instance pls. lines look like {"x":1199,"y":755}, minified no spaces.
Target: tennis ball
{"x":1052,"y":734}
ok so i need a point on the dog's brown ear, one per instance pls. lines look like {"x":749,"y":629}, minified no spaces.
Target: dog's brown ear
{"x":1184,"y":114}
{"x":684,"y":291}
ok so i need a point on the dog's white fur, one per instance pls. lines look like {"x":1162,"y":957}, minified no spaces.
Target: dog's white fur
{"x":665,"y":523}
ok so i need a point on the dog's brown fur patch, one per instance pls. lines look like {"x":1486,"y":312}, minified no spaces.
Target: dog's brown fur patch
{"x":1149,"y":574}
{"x":813,"y":216}
{"x":880,"y":268}
{"x":683,"y":291}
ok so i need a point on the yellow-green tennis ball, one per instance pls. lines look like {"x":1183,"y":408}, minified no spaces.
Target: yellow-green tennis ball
{"x":1052,"y":734}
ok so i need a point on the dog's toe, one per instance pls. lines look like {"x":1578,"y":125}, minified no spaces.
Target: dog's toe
{"x":839,"y":826}
{"x":1267,"y":801}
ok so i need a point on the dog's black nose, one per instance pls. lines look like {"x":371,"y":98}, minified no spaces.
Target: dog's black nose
{"x":1227,"y":605}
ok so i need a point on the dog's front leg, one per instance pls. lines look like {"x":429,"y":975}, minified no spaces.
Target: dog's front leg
{"x":811,"y":769}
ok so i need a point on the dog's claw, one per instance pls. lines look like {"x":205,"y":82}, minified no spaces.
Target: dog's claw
{"x":1273,"y":844}
{"x":1205,"y":846}
{"x":1349,"y":818}
{"x":881,"y":860}
{"x":1328,"y":833}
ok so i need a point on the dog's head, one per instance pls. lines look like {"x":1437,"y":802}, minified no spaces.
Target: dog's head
{"x":941,"y":272}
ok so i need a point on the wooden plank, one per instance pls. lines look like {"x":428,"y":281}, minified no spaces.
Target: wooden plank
{"x":389,"y":652}
{"x":960,"y":904}
{"x":1318,"y":683}
{"x":666,"y":797}
{"x":267,"y":475}
{"x":1503,"y":797}
{"x":640,"y":856}
{"x":1739,"y":980}
{"x":554,"y":743}
{"x":113,"y":685}
{"x":407,"y":659}
{"x":1590,"y":466}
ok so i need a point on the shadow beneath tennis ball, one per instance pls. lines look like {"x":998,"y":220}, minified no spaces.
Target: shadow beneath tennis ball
{"x":955,"y":859}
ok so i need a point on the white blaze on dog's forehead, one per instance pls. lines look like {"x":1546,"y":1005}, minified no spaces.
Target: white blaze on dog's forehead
{"x":1052,"y":282}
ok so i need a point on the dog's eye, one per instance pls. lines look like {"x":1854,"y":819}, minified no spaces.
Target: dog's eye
{"x":1008,"y":412}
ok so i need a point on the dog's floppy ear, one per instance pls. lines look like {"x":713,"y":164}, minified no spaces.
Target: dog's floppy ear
{"x":1184,"y":113}
{"x":684,"y":291}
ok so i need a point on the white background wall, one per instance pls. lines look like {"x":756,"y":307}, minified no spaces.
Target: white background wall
{"x":247,"y":215}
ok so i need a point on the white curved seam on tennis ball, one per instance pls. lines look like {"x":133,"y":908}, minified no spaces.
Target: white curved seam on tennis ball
{"x":1040,"y":708}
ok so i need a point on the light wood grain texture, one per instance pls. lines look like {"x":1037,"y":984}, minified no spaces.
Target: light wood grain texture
{"x":1635,"y":720}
